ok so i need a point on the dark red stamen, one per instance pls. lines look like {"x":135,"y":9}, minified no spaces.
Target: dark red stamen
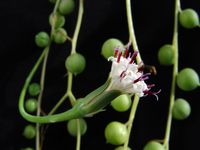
{"x":126,"y":53}
{"x":150,"y":85}
{"x":119,"y":56}
{"x":142,"y":78}
{"x":145,"y":78}
{"x":116,"y":52}
{"x":133,"y":57}
{"x":147,"y":92}
{"x":137,"y":80}
{"x":151,"y":93}
{"x":146,"y":74}
{"x":122,"y":74}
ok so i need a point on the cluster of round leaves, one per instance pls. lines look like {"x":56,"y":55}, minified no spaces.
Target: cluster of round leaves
{"x":187,"y":79}
{"x":31,"y":105}
{"x":57,"y":20}
{"x":188,"y":18}
{"x":42,"y":39}
{"x":60,"y":36}
{"x":116,"y":133}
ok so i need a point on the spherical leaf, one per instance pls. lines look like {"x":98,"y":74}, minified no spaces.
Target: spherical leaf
{"x":57,"y":19}
{"x":72,"y":127}
{"x":189,"y":18}
{"x":116,"y":133}
{"x":187,"y":79}
{"x":153,"y":145}
{"x":29,"y":132}
{"x":166,"y":55}
{"x":34,"y":89}
{"x":42,"y":39}
{"x":60,"y":36}
{"x":121,"y":103}
{"x":75,"y":63}
{"x":31,"y":105}
{"x":181,"y":109}
{"x":109,"y":46}
{"x":66,"y":6}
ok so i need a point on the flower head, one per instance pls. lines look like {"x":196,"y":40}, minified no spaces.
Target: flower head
{"x":127,"y":76}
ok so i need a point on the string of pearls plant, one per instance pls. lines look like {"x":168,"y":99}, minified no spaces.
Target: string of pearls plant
{"x":125,"y":85}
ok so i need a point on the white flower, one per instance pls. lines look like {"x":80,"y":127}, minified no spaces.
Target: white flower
{"x":127,"y":76}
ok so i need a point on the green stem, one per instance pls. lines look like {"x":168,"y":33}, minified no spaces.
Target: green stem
{"x":78,"y":138}
{"x":131,"y":119}
{"x":63,"y":98}
{"x":73,"y":50}
{"x":70,"y":76}
{"x":78,"y":26}
{"x":42,"y":81}
{"x":132,"y":36}
{"x":67,"y":94}
{"x":56,"y":6}
{"x":174,"y":74}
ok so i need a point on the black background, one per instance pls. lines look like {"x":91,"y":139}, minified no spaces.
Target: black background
{"x":103,"y":19}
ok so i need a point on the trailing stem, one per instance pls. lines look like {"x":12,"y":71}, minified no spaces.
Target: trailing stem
{"x":132,"y":39}
{"x":174,"y":74}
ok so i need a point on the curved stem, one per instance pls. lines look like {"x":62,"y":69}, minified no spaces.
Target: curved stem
{"x":131,"y":119}
{"x":78,"y":26}
{"x":132,"y":36}
{"x":175,"y":72}
{"x":42,"y":82}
